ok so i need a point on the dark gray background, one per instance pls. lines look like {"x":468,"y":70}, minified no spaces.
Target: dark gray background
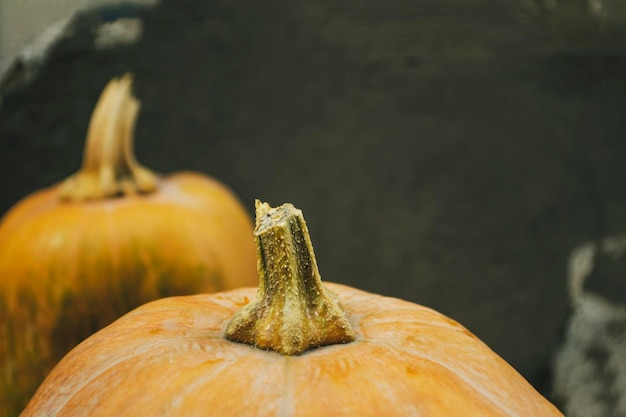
{"x":449,"y":152}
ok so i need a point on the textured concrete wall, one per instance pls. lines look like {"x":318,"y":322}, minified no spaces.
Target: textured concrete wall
{"x":22,"y":22}
{"x":28,"y":26}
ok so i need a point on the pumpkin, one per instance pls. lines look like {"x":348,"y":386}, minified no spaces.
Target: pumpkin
{"x":78,"y":255}
{"x":295,"y":347}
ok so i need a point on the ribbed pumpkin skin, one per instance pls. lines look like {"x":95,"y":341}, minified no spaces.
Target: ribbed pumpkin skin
{"x":69,"y":269}
{"x":169,"y":358}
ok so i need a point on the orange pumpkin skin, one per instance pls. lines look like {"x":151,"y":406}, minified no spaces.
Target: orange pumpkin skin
{"x":69,"y":269}
{"x":169,"y":358}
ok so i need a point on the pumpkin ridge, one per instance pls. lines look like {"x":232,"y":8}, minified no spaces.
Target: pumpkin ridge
{"x":211,"y":371}
{"x":482,"y":392}
{"x":215,"y":372}
{"x":130,"y":353}
{"x":166,"y":305}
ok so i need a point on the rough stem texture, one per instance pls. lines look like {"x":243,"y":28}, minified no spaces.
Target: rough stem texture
{"x":109,"y":167}
{"x":293,"y":311}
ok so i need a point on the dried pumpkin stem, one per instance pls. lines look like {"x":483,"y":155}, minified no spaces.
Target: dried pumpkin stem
{"x":293,"y":311}
{"x":109,"y":167}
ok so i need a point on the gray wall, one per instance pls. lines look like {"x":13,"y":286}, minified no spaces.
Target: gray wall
{"x":28,"y":26}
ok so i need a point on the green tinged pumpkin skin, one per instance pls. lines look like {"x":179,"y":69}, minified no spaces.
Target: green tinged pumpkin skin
{"x":57,"y":294}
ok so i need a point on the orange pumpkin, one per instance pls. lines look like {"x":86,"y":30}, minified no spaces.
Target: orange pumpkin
{"x":78,"y":255}
{"x":299,"y":348}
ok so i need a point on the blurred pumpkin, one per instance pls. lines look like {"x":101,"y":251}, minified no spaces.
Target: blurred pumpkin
{"x":300,"y":348}
{"x":78,"y":255}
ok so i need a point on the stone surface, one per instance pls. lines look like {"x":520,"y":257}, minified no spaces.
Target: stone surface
{"x":589,"y":377}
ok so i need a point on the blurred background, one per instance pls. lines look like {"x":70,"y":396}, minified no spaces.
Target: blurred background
{"x":449,"y":152}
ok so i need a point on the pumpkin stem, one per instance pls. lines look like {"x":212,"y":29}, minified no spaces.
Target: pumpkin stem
{"x":109,"y":167}
{"x":293,"y":311}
